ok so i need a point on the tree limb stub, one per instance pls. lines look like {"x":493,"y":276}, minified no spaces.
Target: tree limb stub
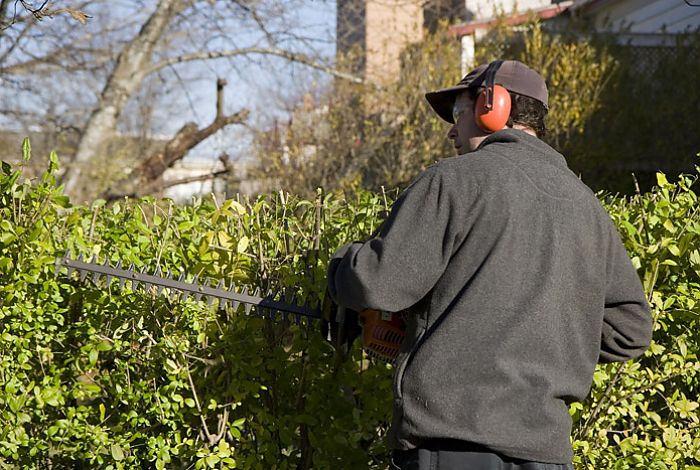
{"x":185,"y":139}
{"x":146,"y":178}
{"x":220,"y":84}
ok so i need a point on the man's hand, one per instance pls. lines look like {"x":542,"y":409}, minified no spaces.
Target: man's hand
{"x":339,"y":326}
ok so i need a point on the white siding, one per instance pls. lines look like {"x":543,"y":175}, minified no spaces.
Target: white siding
{"x":183,"y":193}
{"x":486,"y":9}
{"x":647,"y":16}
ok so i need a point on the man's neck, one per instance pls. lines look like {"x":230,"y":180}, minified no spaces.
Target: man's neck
{"x":525,"y":129}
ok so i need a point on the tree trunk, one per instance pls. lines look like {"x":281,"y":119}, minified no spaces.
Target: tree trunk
{"x":122,"y":83}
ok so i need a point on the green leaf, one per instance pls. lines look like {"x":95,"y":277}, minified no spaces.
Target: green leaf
{"x":92,"y":356}
{"x":695,"y":258}
{"x":186,"y":225}
{"x":668,"y":225}
{"x":26,"y":149}
{"x":103,"y":346}
{"x":669,"y":302}
{"x":242,"y":244}
{"x":238,"y":423}
{"x":53,"y":166}
{"x":661,"y":179}
{"x":636,"y":262}
{"x":15,"y":404}
{"x":674,"y":249}
{"x":235,"y":205}
{"x":117,"y":452}
{"x":97,"y":203}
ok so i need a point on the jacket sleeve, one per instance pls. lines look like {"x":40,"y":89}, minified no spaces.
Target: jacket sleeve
{"x":398,"y":267}
{"x":627,"y":322}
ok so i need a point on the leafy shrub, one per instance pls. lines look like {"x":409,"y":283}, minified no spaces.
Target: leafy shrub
{"x":361,"y":136}
{"x":643,"y":414}
{"x":98,"y":377}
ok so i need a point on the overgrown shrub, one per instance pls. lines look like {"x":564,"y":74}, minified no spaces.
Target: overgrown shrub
{"x":647,"y":118}
{"x":615,"y":108}
{"x":362,"y":136}
{"x":97,"y":377}
{"x":367,"y":137}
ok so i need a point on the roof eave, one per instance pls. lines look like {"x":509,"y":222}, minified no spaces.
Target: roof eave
{"x":546,"y":13}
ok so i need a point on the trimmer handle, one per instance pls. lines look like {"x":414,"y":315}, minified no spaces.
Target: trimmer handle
{"x":382,"y":333}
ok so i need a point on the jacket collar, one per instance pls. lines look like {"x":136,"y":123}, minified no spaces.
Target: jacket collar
{"x":519,"y":138}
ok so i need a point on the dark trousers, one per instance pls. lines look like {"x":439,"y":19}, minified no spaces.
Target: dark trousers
{"x":437,"y":459}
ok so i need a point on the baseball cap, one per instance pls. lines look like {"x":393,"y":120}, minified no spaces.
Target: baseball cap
{"x":515,"y":76}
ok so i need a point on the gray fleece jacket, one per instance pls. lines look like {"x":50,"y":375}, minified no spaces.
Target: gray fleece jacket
{"x":518,"y":284}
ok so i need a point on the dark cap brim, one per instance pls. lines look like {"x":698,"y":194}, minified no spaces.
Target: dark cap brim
{"x":442,"y":101}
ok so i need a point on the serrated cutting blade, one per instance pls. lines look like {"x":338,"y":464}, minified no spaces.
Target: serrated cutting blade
{"x":264,"y":306}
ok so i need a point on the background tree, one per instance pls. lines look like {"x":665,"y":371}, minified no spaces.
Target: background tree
{"x":363,"y":136}
{"x":648,"y":117}
{"x":611,"y":103}
{"x":373,"y":137}
{"x":126,"y":46}
{"x":599,"y":118}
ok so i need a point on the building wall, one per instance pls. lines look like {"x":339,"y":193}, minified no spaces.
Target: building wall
{"x":381,"y":29}
{"x":436,"y":11}
{"x":390,"y":26}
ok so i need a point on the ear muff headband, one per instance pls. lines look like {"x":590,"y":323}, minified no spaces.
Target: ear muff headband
{"x":492,"y":108}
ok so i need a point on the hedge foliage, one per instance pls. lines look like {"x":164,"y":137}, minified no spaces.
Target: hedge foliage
{"x":96,"y":377}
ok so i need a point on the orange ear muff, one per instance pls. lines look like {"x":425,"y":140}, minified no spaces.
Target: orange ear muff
{"x":494,"y":119}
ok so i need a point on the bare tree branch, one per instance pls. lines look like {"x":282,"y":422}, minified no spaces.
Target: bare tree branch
{"x":53,"y":59}
{"x":38,"y":13}
{"x":55,"y":55}
{"x":4,"y":6}
{"x":190,"y":179}
{"x":185,"y":139}
{"x":16,"y":41}
{"x":291,"y":56}
{"x":220,"y":84}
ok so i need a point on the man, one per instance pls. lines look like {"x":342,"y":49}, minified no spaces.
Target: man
{"x":516,"y":282}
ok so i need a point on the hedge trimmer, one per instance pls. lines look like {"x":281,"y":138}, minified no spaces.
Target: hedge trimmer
{"x":382,"y":332}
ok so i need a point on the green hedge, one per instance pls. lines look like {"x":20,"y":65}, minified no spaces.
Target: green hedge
{"x":95,"y":377}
